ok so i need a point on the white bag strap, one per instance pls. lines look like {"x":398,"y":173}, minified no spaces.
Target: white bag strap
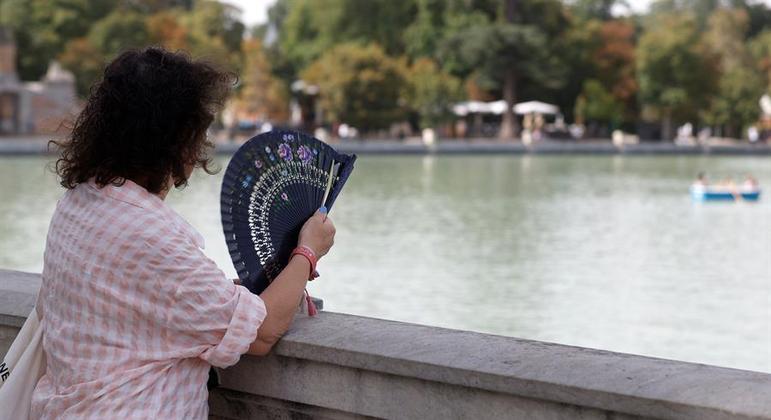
{"x":19,"y":345}
{"x":22,"y":368}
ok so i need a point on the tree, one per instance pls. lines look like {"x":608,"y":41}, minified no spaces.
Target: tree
{"x":759,"y":15}
{"x":358,"y":85}
{"x":42,"y":28}
{"x":149,"y":7}
{"x":509,"y":54}
{"x":698,"y":10}
{"x":262,"y":94}
{"x":214,"y":32}
{"x":164,"y":28}
{"x":614,"y":61}
{"x":212,"y":20}
{"x":504,"y":55}
{"x":760,"y":49}
{"x":269,"y":30}
{"x":674,"y":73}
{"x":120,"y":30}
{"x":436,"y":20}
{"x":208,"y":30}
{"x":603,"y":51}
{"x":85,"y":61}
{"x":422,"y":37}
{"x":735,"y":103}
{"x":312,"y":27}
{"x":595,"y":9}
{"x":431,"y":92}
{"x":598,"y":105}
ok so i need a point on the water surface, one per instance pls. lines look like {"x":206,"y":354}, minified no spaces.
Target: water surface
{"x":605,"y":252}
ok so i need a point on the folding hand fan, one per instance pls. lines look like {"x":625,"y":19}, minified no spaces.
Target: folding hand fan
{"x":273,"y":184}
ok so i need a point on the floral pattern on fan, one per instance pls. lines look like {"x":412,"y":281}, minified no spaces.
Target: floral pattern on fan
{"x":265,"y":196}
{"x":272,"y":185}
{"x":285,"y":151}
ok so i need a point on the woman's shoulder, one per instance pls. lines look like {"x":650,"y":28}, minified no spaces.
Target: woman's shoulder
{"x":105,"y":214}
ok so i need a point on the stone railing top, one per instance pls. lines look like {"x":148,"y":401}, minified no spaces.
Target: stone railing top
{"x":18,"y":292}
{"x":617,"y":382}
{"x":586,"y":377}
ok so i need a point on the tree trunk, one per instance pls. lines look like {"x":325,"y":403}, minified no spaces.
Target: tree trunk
{"x":509,"y":125}
{"x":666,"y":126}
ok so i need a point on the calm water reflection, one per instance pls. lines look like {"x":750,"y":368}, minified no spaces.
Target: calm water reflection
{"x":605,"y":252}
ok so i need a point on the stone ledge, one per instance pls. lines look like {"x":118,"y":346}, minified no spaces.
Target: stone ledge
{"x":572,"y":376}
{"x":18,"y":292}
{"x":343,"y":366}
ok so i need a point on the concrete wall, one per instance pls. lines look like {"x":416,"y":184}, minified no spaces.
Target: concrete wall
{"x":343,"y":366}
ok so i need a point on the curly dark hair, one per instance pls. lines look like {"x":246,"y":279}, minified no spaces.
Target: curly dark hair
{"x":145,"y":121}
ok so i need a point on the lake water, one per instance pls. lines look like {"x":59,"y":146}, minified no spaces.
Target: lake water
{"x":606,"y":252}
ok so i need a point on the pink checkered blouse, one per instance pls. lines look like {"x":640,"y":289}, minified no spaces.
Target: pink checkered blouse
{"x":133,"y":312}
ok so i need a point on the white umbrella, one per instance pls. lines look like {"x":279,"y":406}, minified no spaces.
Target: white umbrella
{"x":535,"y":107}
{"x":462,"y":108}
{"x":497,"y":107}
{"x":479,"y":107}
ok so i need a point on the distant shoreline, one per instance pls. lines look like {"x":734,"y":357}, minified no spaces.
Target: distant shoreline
{"x":37,"y":146}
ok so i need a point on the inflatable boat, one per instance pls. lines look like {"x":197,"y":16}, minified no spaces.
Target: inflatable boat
{"x":700,"y":193}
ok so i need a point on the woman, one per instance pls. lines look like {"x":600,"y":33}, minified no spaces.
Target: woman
{"x":133,"y":313}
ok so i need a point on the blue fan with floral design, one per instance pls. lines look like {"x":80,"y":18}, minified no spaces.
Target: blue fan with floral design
{"x":272,"y":185}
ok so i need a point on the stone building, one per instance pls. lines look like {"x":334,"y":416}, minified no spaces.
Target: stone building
{"x":32,"y":107}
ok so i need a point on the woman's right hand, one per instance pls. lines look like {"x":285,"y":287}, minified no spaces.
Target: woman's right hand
{"x":318,"y":234}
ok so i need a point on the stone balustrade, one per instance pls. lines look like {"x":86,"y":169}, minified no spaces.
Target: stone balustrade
{"x":343,"y":366}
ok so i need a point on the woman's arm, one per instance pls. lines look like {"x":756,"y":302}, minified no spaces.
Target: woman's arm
{"x":281,"y":299}
{"x":284,"y":293}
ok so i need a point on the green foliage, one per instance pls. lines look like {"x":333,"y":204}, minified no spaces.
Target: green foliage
{"x":43,"y":27}
{"x":598,"y":104}
{"x":759,"y":17}
{"x":425,"y":32}
{"x":212,"y":22}
{"x":504,"y":56}
{"x":358,"y":85}
{"x":698,"y":10}
{"x":740,"y":85}
{"x":436,"y":20}
{"x":85,"y":61}
{"x":760,"y":50}
{"x":311,"y":27}
{"x":703,"y":61}
{"x":674,"y":73}
{"x":120,"y":30}
{"x":430,"y":92}
{"x":512,"y":52}
{"x":491,"y":50}
{"x":595,"y":9}
{"x":736,"y":104}
{"x":603,"y":51}
{"x":263,"y":95}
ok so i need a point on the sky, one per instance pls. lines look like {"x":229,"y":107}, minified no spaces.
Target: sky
{"x":255,"y":11}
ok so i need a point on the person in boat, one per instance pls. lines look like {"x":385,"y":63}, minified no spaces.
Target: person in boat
{"x":701,"y":180}
{"x":727,"y":184}
{"x":750,"y":183}
{"x":133,"y":312}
